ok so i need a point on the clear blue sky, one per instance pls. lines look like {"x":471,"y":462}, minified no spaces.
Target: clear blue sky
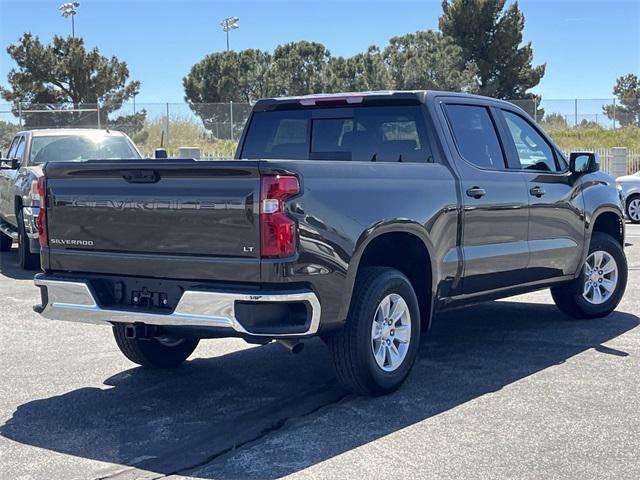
{"x":586,"y":44}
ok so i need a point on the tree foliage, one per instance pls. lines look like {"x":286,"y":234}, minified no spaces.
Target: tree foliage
{"x":362,"y":72}
{"x":627,"y":110}
{"x":7,"y":132}
{"x":64,"y":74}
{"x":491,"y":38}
{"x":421,"y":60}
{"x":299,"y":68}
{"x":428,"y":60}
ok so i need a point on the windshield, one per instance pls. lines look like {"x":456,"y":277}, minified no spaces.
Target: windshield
{"x":59,"y":148}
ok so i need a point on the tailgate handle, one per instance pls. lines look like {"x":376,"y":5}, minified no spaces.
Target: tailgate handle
{"x":141,"y":176}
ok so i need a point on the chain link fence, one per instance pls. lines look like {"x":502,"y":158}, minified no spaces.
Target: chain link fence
{"x":214,"y":128}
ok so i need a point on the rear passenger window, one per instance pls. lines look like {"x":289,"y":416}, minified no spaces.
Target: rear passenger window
{"x":475,"y":135}
{"x":533,"y":150}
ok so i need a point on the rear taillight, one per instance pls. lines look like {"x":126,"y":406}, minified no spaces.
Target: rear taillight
{"x":277,"y":230}
{"x":43,"y":234}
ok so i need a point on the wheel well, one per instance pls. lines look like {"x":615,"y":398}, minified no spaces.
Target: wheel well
{"x":611,"y":224}
{"x":631,"y":197}
{"x":408,"y":254}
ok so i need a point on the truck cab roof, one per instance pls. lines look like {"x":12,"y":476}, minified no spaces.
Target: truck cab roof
{"x":376,"y":97}
{"x":50,"y":132}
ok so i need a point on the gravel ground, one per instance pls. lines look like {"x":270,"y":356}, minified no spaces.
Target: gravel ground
{"x":507,"y":389}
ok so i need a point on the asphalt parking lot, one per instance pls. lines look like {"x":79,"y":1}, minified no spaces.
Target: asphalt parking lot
{"x":507,"y":389}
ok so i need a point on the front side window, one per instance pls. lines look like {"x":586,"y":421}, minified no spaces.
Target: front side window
{"x":533,"y":150}
{"x":379,"y":134}
{"x":20,"y":149}
{"x":12,"y":148}
{"x":475,"y":135}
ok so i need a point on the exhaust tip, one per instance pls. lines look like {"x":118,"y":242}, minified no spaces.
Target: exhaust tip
{"x":294,"y":346}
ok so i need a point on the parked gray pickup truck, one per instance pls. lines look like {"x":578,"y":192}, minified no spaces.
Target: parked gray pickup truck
{"x":353,"y":217}
{"x":20,"y":170}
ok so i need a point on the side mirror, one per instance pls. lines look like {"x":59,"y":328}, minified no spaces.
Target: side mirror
{"x":160,"y":153}
{"x":6,"y":164}
{"x":584,"y":162}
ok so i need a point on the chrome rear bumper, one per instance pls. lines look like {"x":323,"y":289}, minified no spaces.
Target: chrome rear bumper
{"x":74,"y":301}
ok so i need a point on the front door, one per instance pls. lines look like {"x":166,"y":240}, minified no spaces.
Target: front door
{"x":495,"y":218}
{"x":556,"y":222}
{"x":7,"y":182}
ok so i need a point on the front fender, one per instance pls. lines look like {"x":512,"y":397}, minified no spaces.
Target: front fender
{"x":600,"y":197}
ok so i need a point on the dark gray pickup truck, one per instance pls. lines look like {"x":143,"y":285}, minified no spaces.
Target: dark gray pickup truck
{"x":353,"y":217}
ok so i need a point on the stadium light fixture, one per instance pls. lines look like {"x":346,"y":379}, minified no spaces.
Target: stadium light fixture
{"x":69,"y":9}
{"x":228,"y":24}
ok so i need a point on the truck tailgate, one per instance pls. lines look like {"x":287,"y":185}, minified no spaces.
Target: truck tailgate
{"x":158,"y":216}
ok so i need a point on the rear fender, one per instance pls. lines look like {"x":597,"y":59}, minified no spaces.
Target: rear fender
{"x":375,"y":231}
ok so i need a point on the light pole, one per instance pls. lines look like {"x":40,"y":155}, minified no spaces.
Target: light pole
{"x":228,"y":24}
{"x":69,"y":10}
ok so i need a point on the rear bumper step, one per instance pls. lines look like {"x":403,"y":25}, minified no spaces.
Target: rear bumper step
{"x":74,"y":301}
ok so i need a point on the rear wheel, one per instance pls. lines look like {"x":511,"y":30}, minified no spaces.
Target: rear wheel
{"x":599,"y":289}
{"x":158,"y":352}
{"x":5,"y":242}
{"x":375,"y":350}
{"x":633,"y":209}
{"x":27,"y":260}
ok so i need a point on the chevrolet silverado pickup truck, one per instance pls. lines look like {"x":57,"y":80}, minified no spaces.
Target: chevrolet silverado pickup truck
{"x":353,"y":217}
{"x":19,"y":173}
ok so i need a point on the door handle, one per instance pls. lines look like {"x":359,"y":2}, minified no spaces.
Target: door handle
{"x":537,"y":191}
{"x":476,"y":192}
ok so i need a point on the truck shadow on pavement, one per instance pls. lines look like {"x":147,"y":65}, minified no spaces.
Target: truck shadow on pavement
{"x":10,"y":268}
{"x":204,"y":418}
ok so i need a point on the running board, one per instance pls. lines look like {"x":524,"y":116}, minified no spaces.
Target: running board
{"x":9,"y":230}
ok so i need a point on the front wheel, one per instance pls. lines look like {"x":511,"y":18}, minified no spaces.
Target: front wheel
{"x":374,"y":352}
{"x":158,"y":352}
{"x":599,"y":289}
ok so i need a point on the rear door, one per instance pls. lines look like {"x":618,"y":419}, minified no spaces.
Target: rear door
{"x":556,"y":223}
{"x":495,"y":218}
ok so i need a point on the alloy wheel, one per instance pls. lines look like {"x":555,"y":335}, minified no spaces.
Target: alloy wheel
{"x":391,"y":332}
{"x":600,"y":277}
{"x":634,"y":209}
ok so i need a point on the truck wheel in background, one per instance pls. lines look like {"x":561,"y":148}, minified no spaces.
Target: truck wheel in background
{"x":599,"y":289}
{"x":375,"y":350}
{"x":5,"y":242}
{"x":27,"y":260}
{"x":161,"y":352}
{"x":633,"y":209}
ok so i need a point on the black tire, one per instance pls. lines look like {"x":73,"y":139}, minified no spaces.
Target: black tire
{"x":151,"y":352}
{"x":5,"y":242}
{"x":26,"y":259}
{"x":568,"y":297}
{"x":351,"y":347}
{"x":629,"y":200}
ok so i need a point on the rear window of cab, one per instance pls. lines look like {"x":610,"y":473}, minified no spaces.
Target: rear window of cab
{"x":383,"y":134}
